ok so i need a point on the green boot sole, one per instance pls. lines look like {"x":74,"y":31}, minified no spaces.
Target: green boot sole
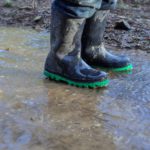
{"x":56,"y":77}
{"x":122,"y":69}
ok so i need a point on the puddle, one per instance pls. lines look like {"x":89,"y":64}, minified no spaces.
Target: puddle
{"x":36,"y":114}
{"x":126,"y":106}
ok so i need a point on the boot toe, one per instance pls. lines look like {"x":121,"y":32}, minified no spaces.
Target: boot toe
{"x":96,"y":75}
{"x":124,"y":61}
{"x":116,"y":61}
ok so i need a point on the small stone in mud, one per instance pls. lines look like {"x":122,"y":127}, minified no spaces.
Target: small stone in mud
{"x":122,"y":25}
{"x":7,"y":3}
{"x":148,"y":51}
{"x":37,"y":18}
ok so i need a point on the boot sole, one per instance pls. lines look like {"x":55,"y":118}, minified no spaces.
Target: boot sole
{"x":56,"y":77}
{"x":122,"y":69}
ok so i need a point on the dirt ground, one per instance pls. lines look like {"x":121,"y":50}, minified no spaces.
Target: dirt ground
{"x":36,"y":14}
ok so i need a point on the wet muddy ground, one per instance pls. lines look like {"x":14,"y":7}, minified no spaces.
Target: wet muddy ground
{"x":38,"y":114}
{"x":138,"y":37}
{"x":36,"y":14}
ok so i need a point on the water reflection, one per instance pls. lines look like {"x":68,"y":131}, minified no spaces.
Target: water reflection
{"x":126,"y":106}
{"x":37,"y":114}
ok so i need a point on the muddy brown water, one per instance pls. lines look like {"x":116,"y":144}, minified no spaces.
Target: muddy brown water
{"x":38,"y":114}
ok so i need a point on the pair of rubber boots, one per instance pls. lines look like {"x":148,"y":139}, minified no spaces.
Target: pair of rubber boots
{"x":76,"y":45}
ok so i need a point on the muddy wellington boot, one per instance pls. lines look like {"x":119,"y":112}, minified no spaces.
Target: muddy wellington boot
{"x":94,"y":51}
{"x":64,"y":62}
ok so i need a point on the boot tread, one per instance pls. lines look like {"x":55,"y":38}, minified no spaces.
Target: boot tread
{"x":121,"y":69}
{"x":97,"y":84}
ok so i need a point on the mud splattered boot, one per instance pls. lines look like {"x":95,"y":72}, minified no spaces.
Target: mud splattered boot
{"x":64,"y":62}
{"x":94,"y":51}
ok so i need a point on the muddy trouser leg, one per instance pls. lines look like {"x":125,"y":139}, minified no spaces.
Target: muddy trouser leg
{"x":78,"y":8}
{"x":93,"y":49}
{"x":64,"y":60}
